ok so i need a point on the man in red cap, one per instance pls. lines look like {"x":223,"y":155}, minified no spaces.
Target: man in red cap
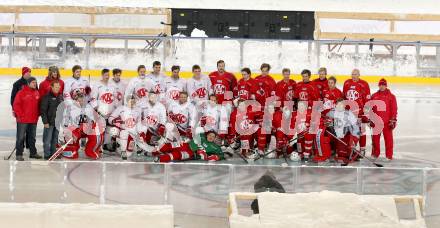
{"x":389,"y":118}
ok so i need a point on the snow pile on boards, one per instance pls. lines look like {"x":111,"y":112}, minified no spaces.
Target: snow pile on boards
{"x":324,"y":209}
{"x":51,"y":215}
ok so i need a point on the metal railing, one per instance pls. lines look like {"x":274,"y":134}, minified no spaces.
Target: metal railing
{"x":314,"y":54}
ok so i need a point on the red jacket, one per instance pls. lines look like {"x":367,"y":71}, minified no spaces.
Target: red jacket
{"x":358,"y":91}
{"x":390,"y":112}
{"x":44,"y":87}
{"x":330,"y":96}
{"x":27,"y":105}
{"x":223,"y":83}
{"x":307,"y":91}
{"x":245,"y":89}
{"x":321,"y":85}
{"x":265,"y":87}
{"x":285,"y":90}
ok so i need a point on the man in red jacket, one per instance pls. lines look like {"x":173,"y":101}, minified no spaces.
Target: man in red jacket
{"x":285,"y":88}
{"x":330,"y":95}
{"x":321,"y":82}
{"x":306,"y":90}
{"x":265,"y":85}
{"x":223,"y":83}
{"x":53,"y":75}
{"x":26,"y":108}
{"x":389,"y":118}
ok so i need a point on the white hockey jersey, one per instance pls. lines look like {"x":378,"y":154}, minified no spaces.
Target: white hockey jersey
{"x":129,"y":117}
{"x":173,"y":87}
{"x":152,"y":116}
{"x":103,"y":98}
{"x":71,"y":84}
{"x":215,"y":118}
{"x":183,"y":115}
{"x":75,"y":116}
{"x":157,"y":82}
{"x":120,"y":91}
{"x":199,"y":90}
{"x":139,"y":87}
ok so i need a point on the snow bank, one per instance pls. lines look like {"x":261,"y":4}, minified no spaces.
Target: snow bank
{"x":324,"y":209}
{"x":37,"y":215}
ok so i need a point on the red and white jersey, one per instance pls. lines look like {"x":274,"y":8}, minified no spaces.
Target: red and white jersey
{"x":120,"y":91}
{"x":285,"y":90}
{"x":128,"y":117}
{"x":139,"y":87}
{"x":103,"y":98}
{"x":72,"y":84}
{"x":183,"y":115}
{"x":358,"y":91}
{"x":265,"y":87}
{"x":242,"y":123}
{"x":321,"y":85}
{"x":173,"y":87}
{"x":307,"y":91}
{"x":223,"y":85}
{"x":75,"y":116}
{"x":152,"y":115}
{"x":157,"y":82}
{"x":330,"y":96}
{"x":215,"y":117}
{"x":245,"y":89}
{"x":199,"y":89}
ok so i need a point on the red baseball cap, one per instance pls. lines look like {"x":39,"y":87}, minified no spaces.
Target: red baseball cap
{"x":383,"y":82}
{"x":25,"y":70}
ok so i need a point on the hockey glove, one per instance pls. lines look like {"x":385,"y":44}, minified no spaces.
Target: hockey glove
{"x":392,"y":124}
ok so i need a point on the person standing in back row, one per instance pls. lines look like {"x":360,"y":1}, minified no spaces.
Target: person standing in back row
{"x":48,"y":110}
{"x":18,"y":85}
{"x":26,"y":109}
{"x":53,"y":75}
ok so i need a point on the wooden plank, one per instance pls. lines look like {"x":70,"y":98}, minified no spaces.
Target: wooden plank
{"x":169,"y":21}
{"x":379,"y":36}
{"x":84,"y":30}
{"x":379,"y":16}
{"x":83,"y":9}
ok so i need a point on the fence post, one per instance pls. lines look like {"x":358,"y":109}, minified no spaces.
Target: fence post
{"x":241,"y":52}
{"x":167,"y":182}
{"x":202,"y":56}
{"x":102,"y":184}
{"x":10,"y":50}
{"x":87,"y":52}
{"x":394,"y":59}
{"x":359,"y":182}
{"x":12,"y":168}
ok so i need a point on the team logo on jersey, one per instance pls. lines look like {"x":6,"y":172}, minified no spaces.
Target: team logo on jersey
{"x":107,"y":98}
{"x":219,"y":89}
{"x":245,"y":124}
{"x":151,"y":120}
{"x":200,"y":92}
{"x":178,"y":118}
{"x":352,"y":95}
{"x":130,"y":122}
{"x":261,"y":92}
{"x":142,"y":92}
{"x":174,"y":94}
{"x":304,"y":96}
{"x":208,"y":120}
{"x":157,"y":88}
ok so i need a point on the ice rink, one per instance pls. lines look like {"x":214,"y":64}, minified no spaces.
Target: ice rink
{"x":198,"y":192}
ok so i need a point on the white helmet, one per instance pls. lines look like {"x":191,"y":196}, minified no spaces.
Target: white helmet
{"x":294,"y":156}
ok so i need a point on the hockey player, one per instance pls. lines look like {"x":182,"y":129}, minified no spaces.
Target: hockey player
{"x":183,"y":114}
{"x":284,"y":124}
{"x":119,"y":86}
{"x":103,"y":100}
{"x":81,"y":121}
{"x":123,"y":130}
{"x":206,"y":149}
{"x":345,"y":127}
{"x":389,"y":118}
{"x":358,"y":90}
{"x":76,"y":82}
{"x":330,"y":95}
{"x":306,"y":90}
{"x":245,"y":87}
{"x":103,"y":96}
{"x":153,"y":119}
{"x":242,"y":126}
{"x":157,"y":78}
{"x":223,"y":83}
{"x":265,"y":85}
{"x":285,"y":88}
{"x":199,"y":87}
{"x":139,"y":86}
{"x":321,"y":82}
{"x":174,"y":85}
{"x":215,"y":117}
{"x":266,"y":128}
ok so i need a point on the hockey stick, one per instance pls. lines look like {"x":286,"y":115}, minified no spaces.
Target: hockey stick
{"x":264,"y":155}
{"x":10,"y":155}
{"x":60,"y":150}
{"x":355,"y":150}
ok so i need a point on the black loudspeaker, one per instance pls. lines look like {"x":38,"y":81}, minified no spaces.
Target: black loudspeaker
{"x":245,"y":23}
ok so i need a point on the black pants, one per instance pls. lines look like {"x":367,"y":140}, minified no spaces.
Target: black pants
{"x":25,"y":132}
